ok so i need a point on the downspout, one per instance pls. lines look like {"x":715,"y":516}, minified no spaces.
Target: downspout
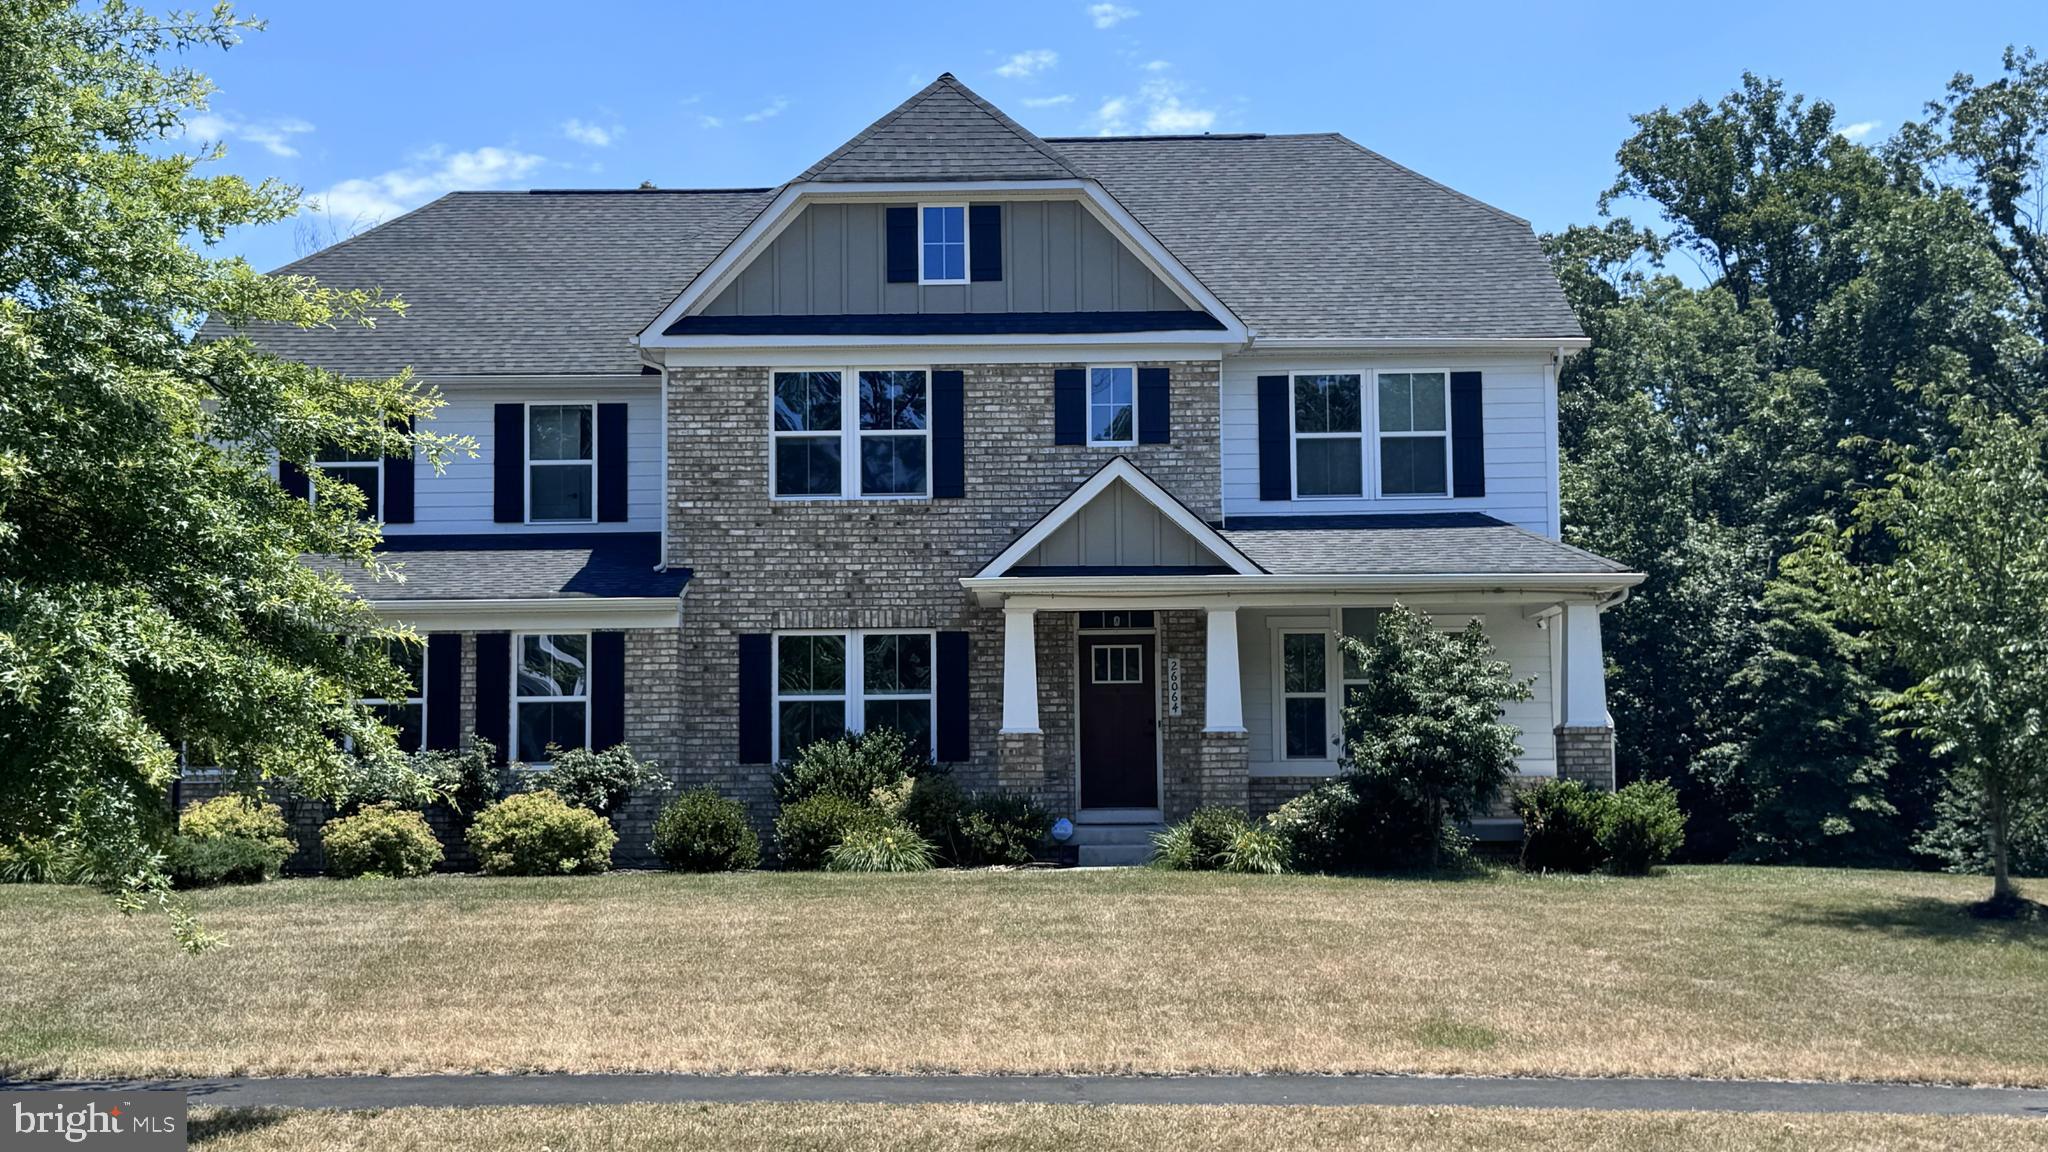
{"x":661,"y":562}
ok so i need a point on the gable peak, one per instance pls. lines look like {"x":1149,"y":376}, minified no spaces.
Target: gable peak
{"x":944,"y":132}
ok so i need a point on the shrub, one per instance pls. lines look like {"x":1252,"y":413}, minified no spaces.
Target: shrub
{"x":51,"y":860}
{"x":851,"y":767}
{"x":807,"y":830}
{"x":1257,"y":848}
{"x":1561,"y":827}
{"x":1641,"y":826}
{"x":1317,"y":826}
{"x":1001,"y":828}
{"x":1368,"y":822}
{"x":228,"y":840}
{"x":936,"y":808}
{"x":540,"y":834}
{"x":596,"y":781}
{"x":1198,"y":843}
{"x":468,"y":779}
{"x":380,"y":840}
{"x":701,"y":831}
{"x":880,"y":848}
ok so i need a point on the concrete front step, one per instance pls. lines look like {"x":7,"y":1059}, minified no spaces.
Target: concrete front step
{"x":1114,"y":845}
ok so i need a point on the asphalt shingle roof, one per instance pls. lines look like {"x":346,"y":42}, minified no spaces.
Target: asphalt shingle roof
{"x":945,"y":132}
{"x":550,"y":566}
{"x":1412,"y":544}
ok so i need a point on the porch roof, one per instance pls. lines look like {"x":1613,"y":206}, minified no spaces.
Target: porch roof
{"x":1406,"y":544}
{"x":516,"y":566}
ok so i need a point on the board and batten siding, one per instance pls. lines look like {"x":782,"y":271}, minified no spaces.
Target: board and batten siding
{"x":832,"y":261}
{"x":1119,"y":528}
{"x":459,"y":499}
{"x":1520,"y":641}
{"x":1519,"y":410}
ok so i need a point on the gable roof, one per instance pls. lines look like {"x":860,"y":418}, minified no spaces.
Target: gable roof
{"x":943,"y":133}
{"x":1120,"y":470}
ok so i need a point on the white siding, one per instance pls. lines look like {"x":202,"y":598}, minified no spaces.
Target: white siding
{"x":1520,"y":641}
{"x":1521,"y":438}
{"x":459,"y":499}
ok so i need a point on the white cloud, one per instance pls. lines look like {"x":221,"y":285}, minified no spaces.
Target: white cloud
{"x":769,"y":112}
{"x":1110,"y":15}
{"x":1110,"y":118}
{"x":367,"y":200}
{"x":1157,"y":65}
{"x":1860,"y":129}
{"x":1028,"y":63}
{"x":274,"y":136}
{"x":1046,"y":101}
{"x":710,"y":122}
{"x":594,"y":135}
{"x":1157,"y":108}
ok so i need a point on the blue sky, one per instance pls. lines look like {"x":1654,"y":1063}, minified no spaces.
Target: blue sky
{"x":377,"y":107}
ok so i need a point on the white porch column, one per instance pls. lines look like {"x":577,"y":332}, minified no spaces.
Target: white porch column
{"x":1585,"y":672}
{"x":1224,"y":704}
{"x":1020,"y":669}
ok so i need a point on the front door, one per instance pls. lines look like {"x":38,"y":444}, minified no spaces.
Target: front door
{"x":1119,"y":723}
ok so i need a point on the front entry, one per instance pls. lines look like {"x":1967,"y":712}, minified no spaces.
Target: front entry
{"x":1119,"y":722}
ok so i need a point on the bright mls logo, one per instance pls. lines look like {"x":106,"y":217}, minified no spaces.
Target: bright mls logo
{"x":140,"y":1121}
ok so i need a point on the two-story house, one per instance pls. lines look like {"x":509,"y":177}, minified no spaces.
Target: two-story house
{"x":1070,"y":458}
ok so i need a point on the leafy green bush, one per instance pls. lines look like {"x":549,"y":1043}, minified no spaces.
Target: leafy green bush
{"x":807,"y":830}
{"x":468,"y":779}
{"x":935,"y":809}
{"x":540,"y":834}
{"x":380,"y":840}
{"x":880,"y":848}
{"x":1198,"y":843}
{"x":596,"y":781}
{"x":1317,"y":826}
{"x":1561,"y":826}
{"x":228,"y":840}
{"x":851,"y":767}
{"x":1368,"y":822}
{"x":1641,"y":826}
{"x":701,"y":831}
{"x":1001,"y":828}
{"x":1258,"y":848}
{"x":51,"y":860}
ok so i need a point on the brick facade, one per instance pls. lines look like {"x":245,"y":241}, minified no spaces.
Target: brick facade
{"x":1586,"y":755}
{"x":1269,"y":792}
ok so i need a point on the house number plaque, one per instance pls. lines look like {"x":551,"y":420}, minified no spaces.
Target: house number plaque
{"x":1173,"y":685}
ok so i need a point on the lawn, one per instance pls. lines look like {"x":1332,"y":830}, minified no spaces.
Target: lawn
{"x":1032,"y":1128}
{"x":1733,"y":972}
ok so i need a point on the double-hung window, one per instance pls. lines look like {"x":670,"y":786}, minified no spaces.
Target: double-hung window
{"x":1112,"y":405}
{"x":561,"y":463}
{"x":551,"y":694}
{"x":942,"y":243}
{"x":822,"y":695}
{"x":873,"y":440}
{"x":407,"y":714}
{"x":1415,"y":437}
{"x":1329,"y":434}
{"x":363,"y":470}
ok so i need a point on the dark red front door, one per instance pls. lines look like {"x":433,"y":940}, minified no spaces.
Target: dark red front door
{"x":1119,"y":723}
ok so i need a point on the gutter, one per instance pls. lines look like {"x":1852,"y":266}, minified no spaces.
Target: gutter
{"x":991,"y":590}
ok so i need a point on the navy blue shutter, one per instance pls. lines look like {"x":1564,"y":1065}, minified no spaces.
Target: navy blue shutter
{"x":1468,"y":436}
{"x":444,"y":690}
{"x":607,"y":689}
{"x":508,"y":464}
{"x":398,"y":483}
{"x":902,"y":231}
{"x":985,"y":242}
{"x":951,"y":665}
{"x":757,"y":698}
{"x":292,"y":479}
{"x":494,"y":691}
{"x":1069,"y":406}
{"x":1276,"y":468}
{"x":1155,"y":406}
{"x":949,"y":434}
{"x":611,"y":463}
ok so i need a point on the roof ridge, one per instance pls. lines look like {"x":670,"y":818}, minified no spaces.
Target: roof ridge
{"x":1030,"y":138}
{"x":1172,"y":136}
{"x":946,"y":82}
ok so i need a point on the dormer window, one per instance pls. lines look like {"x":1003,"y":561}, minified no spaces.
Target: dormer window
{"x":942,"y":243}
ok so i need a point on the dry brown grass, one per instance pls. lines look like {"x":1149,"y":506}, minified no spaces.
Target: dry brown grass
{"x":1060,"y":1128}
{"x":1703,"y":972}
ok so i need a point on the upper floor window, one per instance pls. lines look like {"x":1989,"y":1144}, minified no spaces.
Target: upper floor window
{"x":551,"y":694}
{"x":364,"y":470}
{"x":1329,"y":435}
{"x":561,"y":463}
{"x":1415,"y":437}
{"x":942,"y":244}
{"x":1409,"y":413}
{"x":873,"y":440}
{"x":1112,"y":406}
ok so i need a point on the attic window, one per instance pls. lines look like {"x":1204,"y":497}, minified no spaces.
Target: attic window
{"x":942,"y":243}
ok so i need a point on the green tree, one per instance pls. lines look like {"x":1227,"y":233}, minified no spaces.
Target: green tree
{"x":151,"y":593}
{"x":1425,"y":722}
{"x":1962,"y":602}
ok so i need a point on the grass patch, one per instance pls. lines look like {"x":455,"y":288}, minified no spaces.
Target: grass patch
{"x":1737,"y":972}
{"x":1058,"y":1128}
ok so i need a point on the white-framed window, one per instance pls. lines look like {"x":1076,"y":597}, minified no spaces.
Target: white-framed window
{"x":561,"y":463}
{"x":1113,"y":405}
{"x":942,"y":243}
{"x":1117,"y":664}
{"x":1414,"y":421}
{"x":820,"y":694}
{"x":872,"y":440}
{"x":1304,"y":663}
{"x":550,"y":693}
{"x":1406,"y":453}
{"x":407,"y":714}
{"x":364,"y":470}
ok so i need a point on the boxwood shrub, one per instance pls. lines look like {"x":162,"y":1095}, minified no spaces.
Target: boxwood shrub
{"x":228,"y":840}
{"x":701,"y":831}
{"x":1561,"y":827}
{"x":807,"y":830}
{"x":539,"y":834}
{"x":380,"y":840}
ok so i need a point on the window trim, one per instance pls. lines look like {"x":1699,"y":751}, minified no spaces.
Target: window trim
{"x":850,"y":433}
{"x":966,"y":245}
{"x":1333,"y":716}
{"x":1369,"y":435}
{"x":518,"y":657}
{"x":313,"y":490}
{"x":855,"y":692}
{"x":1089,"y":380}
{"x":595,"y":450}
